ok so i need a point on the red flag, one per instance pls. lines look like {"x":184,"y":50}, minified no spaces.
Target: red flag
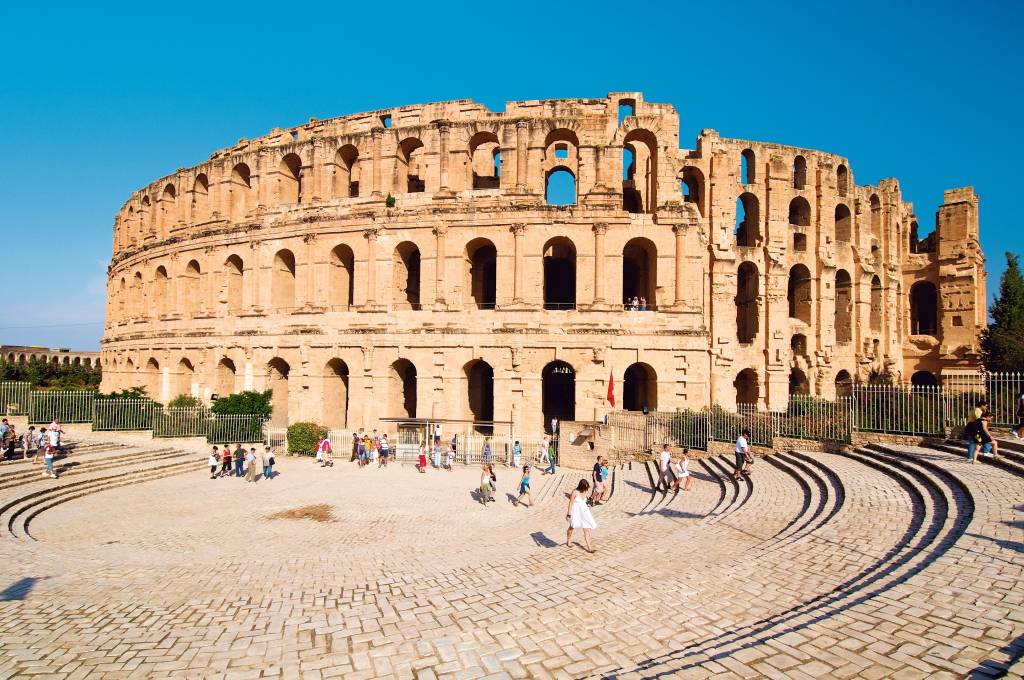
{"x":611,"y":388}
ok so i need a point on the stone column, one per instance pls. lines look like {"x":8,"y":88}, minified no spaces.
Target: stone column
{"x":443,"y":129}
{"x":599,"y":231}
{"x":680,"y":233}
{"x":522,"y":127}
{"x":254,"y":277}
{"x":517,"y":283}
{"x":377,"y":134}
{"x":263,"y":187}
{"x":316,"y":171}
{"x":371,"y":267}
{"x":439,"y":266}
{"x":309,"y":272}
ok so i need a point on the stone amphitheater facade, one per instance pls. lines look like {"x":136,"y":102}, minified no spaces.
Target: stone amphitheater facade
{"x":413,"y":262}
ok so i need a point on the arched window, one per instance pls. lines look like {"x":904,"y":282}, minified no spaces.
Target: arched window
{"x":799,"y":172}
{"x":402,"y":384}
{"x":335,"y":394}
{"x":876,"y":304}
{"x":640,"y":388}
{"x":241,"y":188}
{"x":122,"y":299}
{"x":640,"y":272}
{"x":278,"y":371}
{"x":800,"y":242}
{"x":924,"y":309}
{"x":748,"y":221}
{"x":411,"y":172}
{"x":748,"y":171}
{"x":168,"y":204}
{"x":844,"y":225}
{"x":842,"y":180}
{"x":154,"y":380}
{"x":343,"y":276}
{"x":235,"y":270}
{"x":747,"y":389}
{"x":798,"y":383}
{"x":640,"y":176}
{"x":798,"y":293}
{"x":558,"y":393}
{"x":480,"y":390}
{"x":482,"y":272}
{"x":225,"y":377}
{"x":405,"y":265}
{"x":844,"y":307}
{"x":289,"y":180}
{"x":844,"y":384}
{"x":798,"y":344}
{"x":560,"y":187}
{"x":346,"y":172}
{"x":139,"y":306}
{"x":161,"y":291}
{"x":186,"y":372}
{"x":484,"y":161}
{"x":191,"y":288}
{"x":800,"y":212}
{"x":747,"y":295}
{"x":693,"y":187}
{"x":876,"y":218}
{"x":201,"y":198}
{"x":282,"y":281}
{"x":559,"y":274}
{"x":924,"y":379}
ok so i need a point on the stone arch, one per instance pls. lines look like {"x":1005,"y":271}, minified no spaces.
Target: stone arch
{"x":559,"y":273}
{"x":876,"y":218}
{"x":798,"y":344}
{"x":747,"y":302}
{"x":234,"y":269}
{"x":154,"y":380}
{"x":402,"y":389}
{"x":748,"y":221}
{"x":161,"y":291}
{"x":346,"y":172}
{"x":640,"y":271}
{"x":290,"y":180}
{"x":335,"y":394}
{"x":146,"y":221}
{"x":924,"y":379}
{"x":798,"y":383}
{"x":640,"y":388}
{"x":481,"y":278}
{"x":558,"y":392}
{"x":168,"y":204}
{"x":640,"y":179}
{"x":924,"y":309}
{"x":410,"y":171}
{"x":278,"y":372}
{"x":560,"y":186}
{"x":843,"y":224}
{"x":480,"y":389}
{"x":241,"y":188}
{"x":139,"y":307}
{"x":282,"y":281}
{"x":798,"y":293}
{"x":844,"y":307}
{"x":748,"y":167}
{"x":692,"y":185}
{"x":405,"y":263}
{"x":226,"y":374}
{"x":799,"y":173}
{"x":800,"y":212}
{"x":191,"y":288}
{"x":842,"y":180}
{"x":876,"y":304}
{"x":748,"y":391}
{"x":183,"y":378}
{"x":122,"y":302}
{"x":484,"y":161}
{"x":342,"y":276}
{"x":201,"y":198}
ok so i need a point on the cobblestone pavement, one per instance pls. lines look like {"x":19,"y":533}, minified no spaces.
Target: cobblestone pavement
{"x":883,"y":562}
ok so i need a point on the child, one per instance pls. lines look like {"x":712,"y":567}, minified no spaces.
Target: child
{"x":524,"y":488}
{"x":213,"y":461}
{"x":385,"y":449}
{"x":422,"y":463}
{"x":485,"y":485}
{"x":517,"y":455}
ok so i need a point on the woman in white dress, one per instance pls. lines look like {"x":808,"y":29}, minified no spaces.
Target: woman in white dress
{"x":578,"y":515}
{"x":681,"y":468}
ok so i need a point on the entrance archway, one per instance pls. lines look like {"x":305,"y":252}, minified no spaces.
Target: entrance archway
{"x":277,"y":378}
{"x":747,"y":392}
{"x":335,"y":395}
{"x":640,"y":388}
{"x":482,"y":272}
{"x":402,"y":389}
{"x":558,"y":392}
{"x":559,"y":274}
{"x":480,"y":389}
{"x":640,"y":271}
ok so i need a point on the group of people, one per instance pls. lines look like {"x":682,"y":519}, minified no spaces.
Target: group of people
{"x":241,"y":463}
{"x":636,"y":304}
{"x":678,"y":467}
{"x":979,"y":437}
{"x":47,"y":439}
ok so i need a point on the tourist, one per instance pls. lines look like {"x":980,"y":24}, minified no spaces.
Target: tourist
{"x":318,"y":456}
{"x":551,"y":457}
{"x":268,"y":463}
{"x":643,"y":304}
{"x":986,"y":437}
{"x":59,"y":433}
{"x":11,"y":443}
{"x":681,"y":468}
{"x":437,"y":454}
{"x":1018,"y":432}
{"x":360,"y":452}
{"x":225,"y":458}
{"x":664,"y":459}
{"x":355,"y":447}
{"x":524,"y":488}
{"x":578,"y":515}
{"x":250,"y":465}
{"x":239,"y":460}
{"x":5,"y":427}
{"x":41,"y":442}
{"x":213,"y":461}
{"x":542,"y":453}
{"x":517,"y":455}
{"x":421,"y":464}
{"x":328,"y":452}
{"x":742,"y":455}
{"x":485,"y":484}
{"x":487,"y":450}
{"x":449,"y":457}
{"x":385,"y":449}
{"x":48,"y":452}
{"x":375,"y":450}
{"x":598,"y":480}
{"x":30,"y":443}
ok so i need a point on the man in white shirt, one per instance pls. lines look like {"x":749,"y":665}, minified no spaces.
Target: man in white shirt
{"x":663,"y":461}
{"x":742,"y":455}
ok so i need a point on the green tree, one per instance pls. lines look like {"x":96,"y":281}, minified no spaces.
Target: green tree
{"x":245,"y":403}
{"x":184,"y":401}
{"x":1002,"y":343}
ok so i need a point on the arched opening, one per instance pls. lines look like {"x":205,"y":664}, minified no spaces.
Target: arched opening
{"x":800,"y":243}
{"x":844,"y":225}
{"x":277,"y":379}
{"x":342,"y":276}
{"x":844,"y":307}
{"x":480,"y":383}
{"x":799,"y":172}
{"x":168,"y":203}
{"x":235,"y":270}
{"x":876,"y":218}
{"x":122,"y":299}
{"x":289,"y":179}
{"x":748,"y":221}
{"x":798,"y":383}
{"x":924,"y":379}
{"x":844,"y":384}
{"x":154,"y":380}
{"x":146,"y":221}
{"x":842,"y":180}
{"x":186,"y":372}
{"x":559,"y":274}
{"x":335,"y":394}
{"x":748,"y":171}
{"x":201,"y":198}
{"x":747,"y":389}
{"x":225,"y":377}
{"x":876,"y":304}
{"x":640,"y":176}
{"x":282,"y":282}
{"x":139,"y":296}
{"x":482,"y":272}
{"x":411,"y":170}
{"x":924,"y":309}
{"x":798,"y":344}
{"x":558,"y":393}
{"x":747,"y":294}
{"x":346,"y":172}
{"x":693,"y":188}
{"x":485,"y":161}
{"x":800,"y":212}
{"x":191,"y":288}
{"x":161,"y":291}
{"x":402,"y":390}
{"x":21,"y":358}
{"x":640,"y":388}
{"x":406,"y":267}
{"x":798,"y":293}
{"x":241,"y":187}
{"x":560,"y":187}
{"x":640,"y":272}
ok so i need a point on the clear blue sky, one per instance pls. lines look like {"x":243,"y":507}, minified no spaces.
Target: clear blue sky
{"x":97,"y":99}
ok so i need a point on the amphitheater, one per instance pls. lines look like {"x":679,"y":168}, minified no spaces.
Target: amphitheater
{"x":446,"y":261}
{"x":889,"y":561}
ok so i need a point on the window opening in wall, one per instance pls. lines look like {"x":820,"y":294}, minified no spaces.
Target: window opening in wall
{"x":627,"y":107}
{"x":924,"y":309}
{"x":842,"y":179}
{"x":800,"y":242}
{"x":844,"y":307}
{"x":335,"y":395}
{"x":482,"y":266}
{"x":799,"y":172}
{"x":480,"y":387}
{"x":561,"y":151}
{"x":385,"y":120}
{"x":485,"y":160}
{"x":800,"y":212}
{"x":924,"y":379}
{"x":747,"y":294}
{"x":875,"y":321}
{"x":559,"y":274}
{"x":639,"y":274}
{"x":692,"y":186}
{"x":748,"y":230}
{"x":747,"y":169}
{"x":402,"y":384}
{"x":747,"y":392}
{"x":798,"y":383}
{"x":640,"y":388}
{"x":798,"y":293}
{"x":798,"y":344}
{"x":406,"y":272}
{"x":844,"y":229}
{"x":558,"y":393}
{"x":560,"y":187}
{"x":295,"y":135}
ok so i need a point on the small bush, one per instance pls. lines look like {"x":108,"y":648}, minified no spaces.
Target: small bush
{"x":302,"y":437}
{"x":389,"y":202}
{"x":184,"y":401}
{"x":244,"y":403}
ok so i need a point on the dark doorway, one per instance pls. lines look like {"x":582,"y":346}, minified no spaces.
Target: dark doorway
{"x":558,"y":392}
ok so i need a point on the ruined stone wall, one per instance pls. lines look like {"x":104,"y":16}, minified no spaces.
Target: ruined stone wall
{"x":280,"y":264}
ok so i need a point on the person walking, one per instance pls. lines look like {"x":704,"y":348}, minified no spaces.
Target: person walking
{"x":524,"y":488}
{"x":449,"y":457}
{"x":487,"y":451}
{"x":517,"y":455}
{"x":268,"y":463}
{"x":742,"y":455}
{"x":681,"y":468}
{"x":664,"y":459}
{"x":49,"y":451}
{"x":485,"y":484}
{"x":578,"y":515}
{"x":385,"y":450}
{"x":598,"y":480}
{"x":1018,"y":431}
{"x":421,"y":462}
{"x":225,"y":462}
{"x":30,"y":443}
{"x":214,"y":462}
{"x":239,"y":456}
{"x":250,"y":465}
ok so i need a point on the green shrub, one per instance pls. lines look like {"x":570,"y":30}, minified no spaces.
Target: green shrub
{"x":302,"y":437}
{"x":245,"y":403}
{"x":184,"y":401}
{"x":389,"y":202}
